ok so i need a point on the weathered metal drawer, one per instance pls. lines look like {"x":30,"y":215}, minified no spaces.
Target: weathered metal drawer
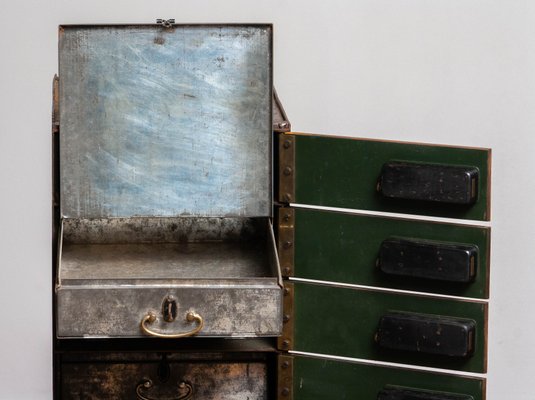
{"x":141,"y":376}
{"x":143,"y":276}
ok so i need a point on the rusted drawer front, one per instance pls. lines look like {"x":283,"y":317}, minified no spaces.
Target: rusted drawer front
{"x":175,"y":380}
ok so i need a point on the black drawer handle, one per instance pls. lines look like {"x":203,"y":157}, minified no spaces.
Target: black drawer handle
{"x":185,"y":390}
{"x":449,"y":184}
{"x":452,"y":262}
{"x":401,"y":393}
{"x":427,"y":334}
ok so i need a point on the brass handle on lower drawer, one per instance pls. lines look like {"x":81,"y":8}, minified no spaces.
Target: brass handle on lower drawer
{"x":147,"y":384}
{"x":191,"y":316}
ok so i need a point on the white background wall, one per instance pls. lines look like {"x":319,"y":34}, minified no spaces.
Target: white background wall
{"x":440,"y":71}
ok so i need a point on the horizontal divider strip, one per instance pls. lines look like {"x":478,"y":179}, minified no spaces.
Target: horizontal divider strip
{"x":388,"y":290}
{"x":482,"y":224}
{"x":389,"y":364}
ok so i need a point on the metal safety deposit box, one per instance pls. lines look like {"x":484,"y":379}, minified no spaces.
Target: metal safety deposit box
{"x":194,"y":262}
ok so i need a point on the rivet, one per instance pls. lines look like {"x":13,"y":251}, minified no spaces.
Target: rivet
{"x":287,"y":144}
{"x":283,"y":124}
{"x":287,"y":271}
{"x":286,"y":343}
{"x":287,"y":217}
{"x":287,"y":244}
{"x":286,"y":317}
{"x":285,"y":391}
{"x":285,"y":365}
{"x":286,"y":291}
{"x":287,"y":171}
{"x":287,"y":197}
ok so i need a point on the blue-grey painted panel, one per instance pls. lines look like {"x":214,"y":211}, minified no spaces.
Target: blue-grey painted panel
{"x":165,"y":122}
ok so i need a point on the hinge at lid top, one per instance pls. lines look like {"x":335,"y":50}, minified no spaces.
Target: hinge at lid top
{"x":286,"y":341}
{"x":286,"y":168}
{"x":286,"y":240}
{"x":285,"y":377}
{"x":55,"y":104}
{"x":166,"y":23}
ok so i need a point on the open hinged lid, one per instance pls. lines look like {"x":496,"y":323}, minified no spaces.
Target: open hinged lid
{"x":159,"y":123}
{"x":165,"y":121}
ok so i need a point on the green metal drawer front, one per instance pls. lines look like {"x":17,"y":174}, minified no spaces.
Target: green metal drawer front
{"x":325,"y":379}
{"x":344,"y":322}
{"x":339,"y":247}
{"x":346,"y":173}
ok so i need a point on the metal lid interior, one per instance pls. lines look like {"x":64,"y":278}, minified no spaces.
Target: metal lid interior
{"x":165,"y":122}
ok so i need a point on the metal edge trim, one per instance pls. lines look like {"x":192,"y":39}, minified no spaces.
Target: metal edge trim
{"x":286,"y":341}
{"x":287,"y":173}
{"x":285,"y":377}
{"x":286,"y":240}
{"x":276,"y":268}
{"x":387,"y":364}
{"x":284,"y":125}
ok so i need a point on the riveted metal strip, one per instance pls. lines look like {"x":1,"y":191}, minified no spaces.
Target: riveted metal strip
{"x":286,"y":240}
{"x":286,"y":168}
{"x":285,"y":377}
{"x":286,"y":340}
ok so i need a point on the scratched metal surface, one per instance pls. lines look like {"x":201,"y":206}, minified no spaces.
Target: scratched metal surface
{"x":165,"y":122}
{"x":163,"y":230}
{"x":209,"y":260}
{"x":105,"y":288}
{"x":237,"y":310}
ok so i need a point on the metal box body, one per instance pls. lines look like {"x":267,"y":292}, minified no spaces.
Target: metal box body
{"x":166,"y":182}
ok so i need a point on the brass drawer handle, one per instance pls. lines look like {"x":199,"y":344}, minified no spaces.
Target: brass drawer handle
{"x":191,"y":316}
{"x":147,"y":384}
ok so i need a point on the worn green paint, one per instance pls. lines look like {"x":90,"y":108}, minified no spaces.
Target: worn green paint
{"x":338,"y":247}
{"x":325,"y":379}
{"x":343,"y":322}
{"x":343,"y":172}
